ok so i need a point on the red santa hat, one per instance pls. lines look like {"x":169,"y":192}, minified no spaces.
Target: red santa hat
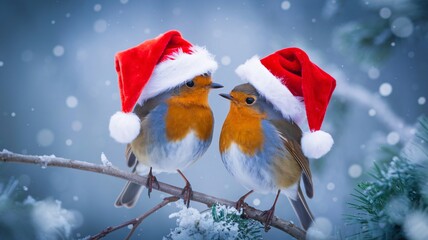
{"x":153,"y":67}
{"x":287,"y":77}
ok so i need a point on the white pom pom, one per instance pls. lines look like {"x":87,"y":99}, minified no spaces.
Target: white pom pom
{"x":124,"y":127}
{"x":316,"y":144}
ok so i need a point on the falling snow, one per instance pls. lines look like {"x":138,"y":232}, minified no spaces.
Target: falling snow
{"x":355,"y":171}
{"x":45,"y":137}
{"x":71,"y":101}
{"x":58,"y":51}
{"x":285,"y":5}
{"x":256,"y":202}
{"x":402,"y":27}
{"x":385,"y":89}
{"x":373,"y":73}
{"x":46,"y":134}
{"x":68,"y":142}
{"x":392,"y":138}
{"x":385,"y":13}
{"x":97,"y":7}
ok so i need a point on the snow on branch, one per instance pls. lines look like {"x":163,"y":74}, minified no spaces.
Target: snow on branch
{"x":250,"y":212}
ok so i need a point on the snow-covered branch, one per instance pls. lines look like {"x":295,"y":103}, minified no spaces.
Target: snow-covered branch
{"x":107,"y":169}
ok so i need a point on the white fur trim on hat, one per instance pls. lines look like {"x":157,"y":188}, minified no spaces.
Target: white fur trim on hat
{"x":177,"y":70}
{"x":272,"y":89}
{"x":316,"y":144}
{"x":124,"y":127}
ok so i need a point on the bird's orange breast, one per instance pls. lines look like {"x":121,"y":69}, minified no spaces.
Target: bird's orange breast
{"x":242,"y":126}
{"x":180,"y":119}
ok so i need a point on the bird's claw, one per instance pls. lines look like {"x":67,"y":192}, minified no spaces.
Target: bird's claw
{"x":150,"y":181}
{"x":240,"y":203}
{"x":268,"y":216}
{"x":187,"y":194}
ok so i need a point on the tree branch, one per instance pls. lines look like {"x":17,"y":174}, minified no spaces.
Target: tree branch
{"x":250,"y":212}
{"x":135,"y":221}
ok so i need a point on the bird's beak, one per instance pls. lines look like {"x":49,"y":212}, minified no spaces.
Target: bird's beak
{"x":216,"y":85}
{"x":227,"y":96}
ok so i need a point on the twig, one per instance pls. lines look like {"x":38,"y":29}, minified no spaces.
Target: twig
{"x":283,"y":225}
{"x":135,"y":221}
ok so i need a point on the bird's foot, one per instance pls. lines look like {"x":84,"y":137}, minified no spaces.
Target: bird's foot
{"x":187,"y":194}
{"x":241,"y":201}
{"x":150,"y":181}
{"x":268,"y":216}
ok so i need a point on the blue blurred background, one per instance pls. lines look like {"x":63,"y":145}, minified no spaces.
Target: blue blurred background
{"x":58,"y":89}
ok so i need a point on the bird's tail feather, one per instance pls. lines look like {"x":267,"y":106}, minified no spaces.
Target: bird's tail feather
{"x":302,"y":210}
{"x":129,"y":195}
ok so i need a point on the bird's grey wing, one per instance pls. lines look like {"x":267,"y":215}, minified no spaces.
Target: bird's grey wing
{"x":130,"y":157}
{"x":291,"y":136}
{"x":142,"y":110}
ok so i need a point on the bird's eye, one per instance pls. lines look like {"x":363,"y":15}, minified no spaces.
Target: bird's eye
{"x":190,"y":83}
{"x":250,"y":100}
{"x":207,"y":74}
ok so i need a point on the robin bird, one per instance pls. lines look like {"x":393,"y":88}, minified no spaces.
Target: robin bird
{"x":166,"y":120}
{"x":261,"y":144}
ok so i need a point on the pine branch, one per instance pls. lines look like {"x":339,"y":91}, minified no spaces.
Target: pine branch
{"x":250,"y":212}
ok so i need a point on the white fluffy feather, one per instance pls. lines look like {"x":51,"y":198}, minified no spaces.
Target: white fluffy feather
{"x":124,"y":127}
{"x":240,"y":167}
{"x":316,"y":144}
{"x":272,"y":89}
{"x":180,"y":68}
{"x":176,"y":155}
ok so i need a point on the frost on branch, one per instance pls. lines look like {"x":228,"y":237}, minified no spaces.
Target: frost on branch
{"x":105,"y":160}
{"x":220,"y":222}
{"x":44,"y":219}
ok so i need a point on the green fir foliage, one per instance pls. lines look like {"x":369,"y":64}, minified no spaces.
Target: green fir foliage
{"x":398,"y":190}
{"x":247,"y":228}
